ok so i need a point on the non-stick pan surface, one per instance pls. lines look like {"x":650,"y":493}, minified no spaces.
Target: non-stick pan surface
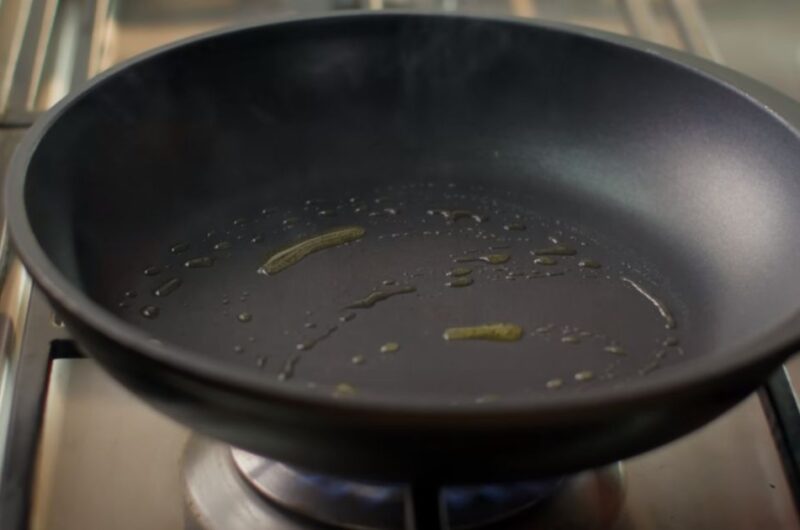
{"x":628,"y":212}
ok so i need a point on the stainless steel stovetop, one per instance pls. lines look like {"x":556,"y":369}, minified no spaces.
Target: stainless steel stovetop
{"x":79,"y":452}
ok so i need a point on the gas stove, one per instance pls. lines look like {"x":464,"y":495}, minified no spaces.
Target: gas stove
{"x":80,"y":452}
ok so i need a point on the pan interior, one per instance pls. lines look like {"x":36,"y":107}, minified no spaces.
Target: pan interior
{"x":683,"y":191}
{"x":369,"y":312}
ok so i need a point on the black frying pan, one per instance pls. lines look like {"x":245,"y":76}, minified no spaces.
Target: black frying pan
{"x":679,"y":177}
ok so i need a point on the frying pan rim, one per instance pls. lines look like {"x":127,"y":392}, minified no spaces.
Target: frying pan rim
{"x":769,"y":347}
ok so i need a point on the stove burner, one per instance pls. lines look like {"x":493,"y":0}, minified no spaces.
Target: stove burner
{"x":358,"y":505}
{"x":228,"y":489}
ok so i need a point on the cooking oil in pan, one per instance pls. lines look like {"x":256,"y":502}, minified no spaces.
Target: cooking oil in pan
{"x":408,"y":274}
{"x":150,"y":311}
{"x":201,"y":262}
{"x":463,"y":281}
{"x":344,"y":390}
{"x":379,"y":296}
{"x":451,"y":216}
{"x":666,"y":314}
{"x":358,"y":359}
{"x":500,"y":332}
{"x":589,"y":264}
{"x":168,"y":287}
{"x":390,"y":347}
{"x":310,"y":343}
{"x":179,"y":248}
{"x":152,"y":270}
{"x":459,"y":271}
{"x":545,"y":260}
{"x":554,"y":383}
{"x":491,"y":259}
{"x":297,"y":251}
{"x":287,"y":372}
{"x":555,"y":250}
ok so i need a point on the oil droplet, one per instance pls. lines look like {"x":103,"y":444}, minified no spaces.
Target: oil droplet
{"x":615,"y":349}
{"x":123,"y":304}
{"x":459,"y":271}
{"x":226,"y":301}
{"x":545,"y":260}
{"x":650,"y":367}
{"x":554,"y":383}
{"x":288,"y":368}
{"x":464,"y":281}
{"x":343,"y":390}
{"x":296,"y":252}
{"x":669,"y":320}
{"x":555,"y":250}
{"x":168,"y":287}
{"x":238,"y":349}
{"x":222,"y":245}
{"x":571,"y":339}
{"x":179,"y":248}
{"x":309,"y":325}
{"x":390,"y":347}
{"x":239,"y":221}
{"x":327,"y":213}
{"x":391,"y":211}
{"x":130,"y":294}
{"x":670,"y":342}
{"x":289,"y":221}
{"x":347,"y":317}
{"x":504,"y":332}
{"x":358,"y":359}
{"x":199,"y":263}
{"x":261,"y":361}
{"x":552,"y":274}
{"x":307,"y":345}
{"x":258,"y":238}
{"x":589,"y":264}
{"x":153,"y":270}
{"x":487,"y":398}
{"x":451,"y":216}
{"x":150,"y":311}
{"x":378,"y":296}
{"x":514,"y":227}
{"x":585,"y":375}
{"x":244,"y":317}
{"x":492,"y":259}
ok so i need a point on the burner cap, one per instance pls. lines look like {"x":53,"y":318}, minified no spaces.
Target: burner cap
{"x":348,"y":504}
{"x":227,"y":489}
